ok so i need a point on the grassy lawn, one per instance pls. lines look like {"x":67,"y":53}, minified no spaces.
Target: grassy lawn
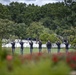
{"x":27,"y":50}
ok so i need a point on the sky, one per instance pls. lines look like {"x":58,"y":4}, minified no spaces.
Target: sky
{"x":36,"y":2}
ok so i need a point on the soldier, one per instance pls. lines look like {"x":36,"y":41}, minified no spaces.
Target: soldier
{"x":58,"y":45}
{"x":48,"y":44}
{"x":40,"y":46}
{"x":13,"y":47}
{"x":31,"y":47}
{"x":21,"y":43}
{"x":66,"y":46}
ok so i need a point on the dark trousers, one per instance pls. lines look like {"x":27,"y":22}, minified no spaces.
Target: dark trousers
{"x":13,"y":50}
{"x":40,"y":50}
{"x":58,"y":50}
{"x":66,"y":50}
{"x":31,"y":49}
{"x":49,"y":50}
{"x":21,"y":51}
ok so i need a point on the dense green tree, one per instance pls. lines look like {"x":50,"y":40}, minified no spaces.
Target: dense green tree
{"x":16,"y":11}
{"x":58,"y":18}
{"x":74,"y":43}
{"x":4,"y":12}
{"x":20,"y":30}
{"x":5,"y":29}
{"x":46,"y":36}
{"x":35,"y":29}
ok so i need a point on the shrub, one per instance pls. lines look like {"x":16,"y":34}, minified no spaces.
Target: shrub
{"x":4,"y":53}
{"x":39,"y":64}
{"x":74,"y":43}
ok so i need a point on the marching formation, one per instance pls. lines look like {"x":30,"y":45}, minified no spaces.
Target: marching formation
{"x":48,"y":46}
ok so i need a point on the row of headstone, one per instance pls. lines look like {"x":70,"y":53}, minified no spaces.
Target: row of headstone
{"x":26,"y":44}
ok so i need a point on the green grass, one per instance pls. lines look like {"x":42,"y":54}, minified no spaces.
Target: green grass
{"x":27,"y":50}
{"x":34,"y":67}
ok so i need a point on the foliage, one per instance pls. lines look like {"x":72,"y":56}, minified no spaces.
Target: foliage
{"x":52,"y":37}
{"x":56,"y":17}
{"x":3,"y":53}
{"x":20,"y":30}
{"x":4,"y":12}
{"x":74,"y":43}
{"x":37,"y":63}
{"x":44,"y":37}
{"x":5,"y":28}
{"x":34,"y":30}
{"x":71,"y":60}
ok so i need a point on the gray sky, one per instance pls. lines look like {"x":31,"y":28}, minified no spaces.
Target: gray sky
{"x":36,"y":2}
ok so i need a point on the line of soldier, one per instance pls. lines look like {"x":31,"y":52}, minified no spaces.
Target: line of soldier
{"x":48,"y":45}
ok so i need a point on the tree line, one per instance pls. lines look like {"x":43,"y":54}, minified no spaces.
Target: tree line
{"x":52,"y":21}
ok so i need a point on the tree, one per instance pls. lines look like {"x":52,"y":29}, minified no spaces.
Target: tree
{"x":35,"y":29}
{"x":5,"y":29}
{"x":20,"y":30}
{"x":4,"y":12}
{"x":73,"y":43}
{"x":68,"y":2}
{"x":69,"y":34}
{"x":17,"y":11}
{"x":54,"y":17}
{"x":46,"y":36}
